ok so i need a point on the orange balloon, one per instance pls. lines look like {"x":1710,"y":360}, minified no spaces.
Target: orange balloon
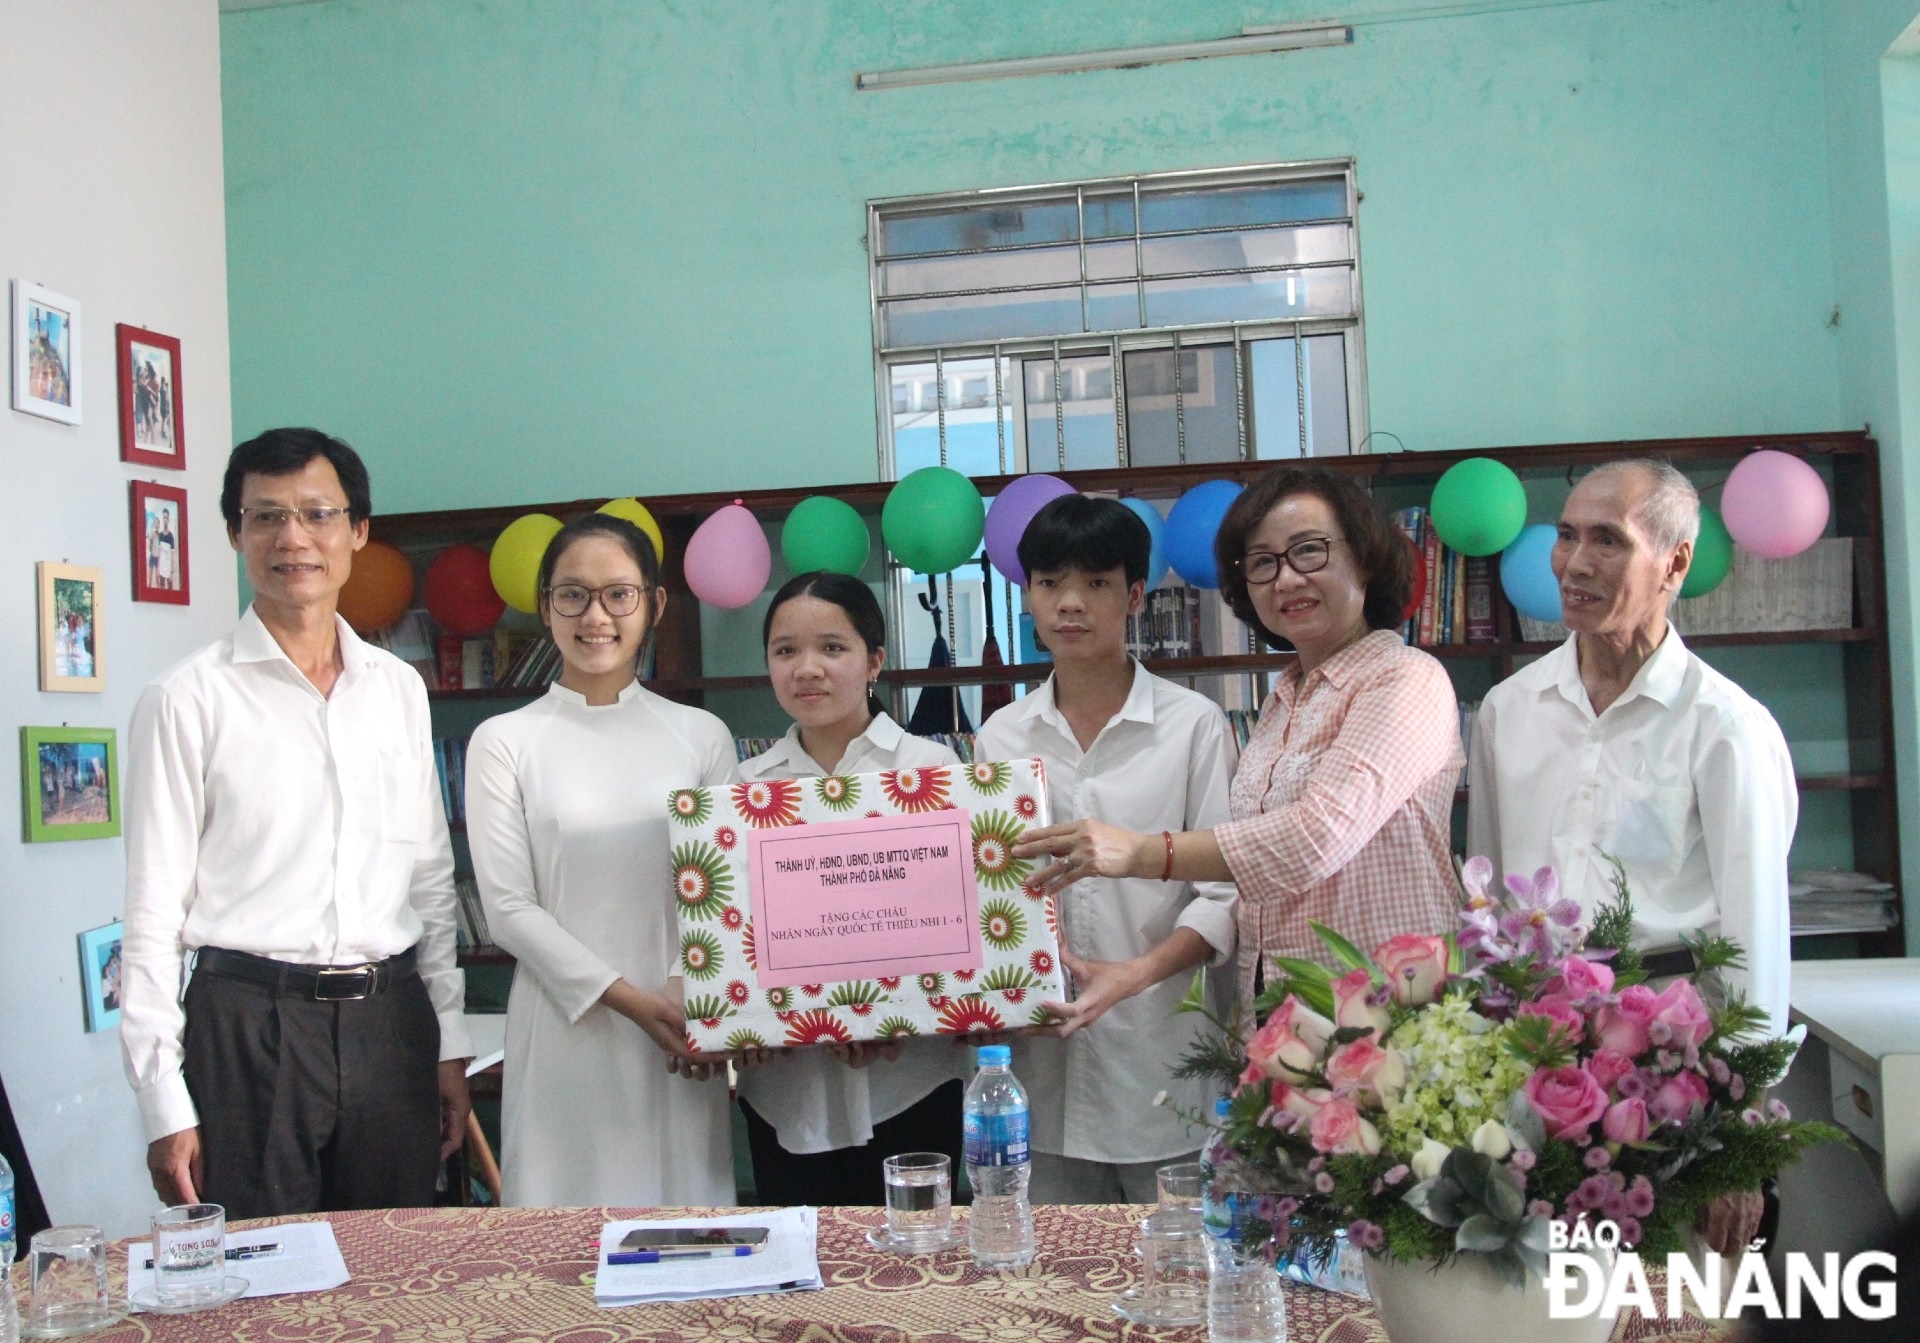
{"x":378,"y":590}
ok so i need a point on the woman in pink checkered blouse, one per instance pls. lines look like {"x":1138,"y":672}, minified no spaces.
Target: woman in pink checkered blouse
{"x":1343,"y":800}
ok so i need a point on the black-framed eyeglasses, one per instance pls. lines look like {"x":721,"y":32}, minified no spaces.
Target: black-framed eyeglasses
{"x":1305,"y":557}
{"x":616,"y":599}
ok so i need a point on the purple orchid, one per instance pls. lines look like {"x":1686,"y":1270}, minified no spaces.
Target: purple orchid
{"x":1535,"y":920}
{"x":1479,"y":917}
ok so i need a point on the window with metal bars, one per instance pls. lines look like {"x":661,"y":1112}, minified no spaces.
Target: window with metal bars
{"x":1180,"y":317}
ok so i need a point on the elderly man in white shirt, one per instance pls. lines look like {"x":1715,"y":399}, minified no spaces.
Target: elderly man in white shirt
{"x":284,"y":824}
{"x":1623,"y":744}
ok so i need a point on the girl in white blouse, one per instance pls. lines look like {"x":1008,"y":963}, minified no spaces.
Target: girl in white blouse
{"x":567,"y":820}
{"x":820,"y":1125}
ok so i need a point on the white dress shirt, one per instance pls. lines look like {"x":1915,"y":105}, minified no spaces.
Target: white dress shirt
{"x":265,"y":817}
{"x":567,"y":821}
{"x":815,"y":1102}
{"x":1685,"y":779}
{"x":1164,"y":762}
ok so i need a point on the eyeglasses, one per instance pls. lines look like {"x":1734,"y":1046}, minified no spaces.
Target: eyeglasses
{"x":269,"y":518}
{"x":1305,"y":557}
{"x":616,"y":599}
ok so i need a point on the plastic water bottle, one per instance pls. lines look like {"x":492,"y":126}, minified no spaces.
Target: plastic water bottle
{"x":994,"y":1125}
{"x":9,"y":1309}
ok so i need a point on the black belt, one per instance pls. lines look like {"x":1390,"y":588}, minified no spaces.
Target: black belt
{"x":1667,"y":964}
{"x":321,"y":983}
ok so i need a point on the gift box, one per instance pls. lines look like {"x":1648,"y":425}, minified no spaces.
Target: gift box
{"x":862,"y":906}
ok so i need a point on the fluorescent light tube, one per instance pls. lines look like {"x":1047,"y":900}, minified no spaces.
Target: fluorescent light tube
{"x":1291,"y":38}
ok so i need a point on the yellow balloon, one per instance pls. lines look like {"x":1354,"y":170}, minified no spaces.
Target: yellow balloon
{"x":636,"y":512}
{"x":514,"y":564}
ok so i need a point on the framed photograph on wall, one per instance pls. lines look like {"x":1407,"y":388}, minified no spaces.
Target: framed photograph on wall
{"x":69,"y":783}
{"x":100,"y":975}
{"x":71,"y":599}
{"x":160,"y":544}
{"x":148,"y":364}
{"x":46,"y":353}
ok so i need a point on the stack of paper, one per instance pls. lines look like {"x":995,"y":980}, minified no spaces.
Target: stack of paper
{"x":275,"y":1260}
{"x":790,"y":1262}
{"x":1840,"y":902}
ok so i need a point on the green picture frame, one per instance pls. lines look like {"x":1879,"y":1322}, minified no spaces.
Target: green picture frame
{"x":69,"y":777}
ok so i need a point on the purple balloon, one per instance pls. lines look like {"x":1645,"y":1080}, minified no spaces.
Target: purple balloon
{"x":1013,"y":508}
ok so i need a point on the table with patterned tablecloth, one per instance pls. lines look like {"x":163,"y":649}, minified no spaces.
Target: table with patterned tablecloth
{"x":485,"y":1275}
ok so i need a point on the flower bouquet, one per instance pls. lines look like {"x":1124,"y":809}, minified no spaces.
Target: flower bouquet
{"x":1458,"y":1095}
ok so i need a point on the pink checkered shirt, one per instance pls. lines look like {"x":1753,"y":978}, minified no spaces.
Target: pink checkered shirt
{"x":1343,"y":807}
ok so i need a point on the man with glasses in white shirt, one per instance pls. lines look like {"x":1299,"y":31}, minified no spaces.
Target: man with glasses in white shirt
{"x":284,"y":828}
{"x":1623,"y":744}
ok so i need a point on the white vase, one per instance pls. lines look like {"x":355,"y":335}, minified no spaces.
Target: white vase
{"x":1466,"y":1301}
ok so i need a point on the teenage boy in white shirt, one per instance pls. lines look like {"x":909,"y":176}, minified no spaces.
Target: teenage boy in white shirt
{"x":284,"y":824}
{"x":1134,"y":750}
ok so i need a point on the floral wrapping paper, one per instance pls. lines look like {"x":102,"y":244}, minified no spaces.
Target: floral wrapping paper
{"x":727,"y":1007}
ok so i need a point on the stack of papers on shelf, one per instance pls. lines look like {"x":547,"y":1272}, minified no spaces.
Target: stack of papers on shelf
{"x":789,"y":1263}
{"x":275,"y":1260}
{"x":1823,"y":901}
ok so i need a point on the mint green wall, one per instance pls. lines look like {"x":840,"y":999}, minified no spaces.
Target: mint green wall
{"x":1873,"y":143}
{"x":518,"y":250}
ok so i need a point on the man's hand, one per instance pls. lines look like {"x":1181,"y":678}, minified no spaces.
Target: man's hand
{"x":1732,"y":1220}
{"x":1083,"y":849}
{"x":454,"y":1105}
{"x":174,"y":1164}
{"x":1098,"y":985}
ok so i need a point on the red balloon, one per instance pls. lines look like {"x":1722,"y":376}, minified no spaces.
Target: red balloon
{"x":1419,"y":579}
{"x":460,"y":595}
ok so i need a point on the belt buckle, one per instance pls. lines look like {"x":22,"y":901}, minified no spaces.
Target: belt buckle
{"x":322,"y":994}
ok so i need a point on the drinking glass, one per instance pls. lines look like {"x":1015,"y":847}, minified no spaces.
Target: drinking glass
{"x":1172,"y":1291}
{"x":190,"y":1254}
{"x":919,"y":1201}
{"x":69,"y":1285}
{"x":1182,"y":1185}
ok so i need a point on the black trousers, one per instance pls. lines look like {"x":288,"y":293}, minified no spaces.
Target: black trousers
{"x":313,"y":1106}
{"x":852,"y":1175}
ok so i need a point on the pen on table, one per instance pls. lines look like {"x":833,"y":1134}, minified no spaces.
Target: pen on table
{"x":246,"y":1252}
{"x":688,"y":1252}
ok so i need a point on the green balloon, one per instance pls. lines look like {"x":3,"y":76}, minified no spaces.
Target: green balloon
{"x":1712,"y":555}
{"x":933,"y":519}
{"x":1479,"y":506}
{"x":824,"y":533}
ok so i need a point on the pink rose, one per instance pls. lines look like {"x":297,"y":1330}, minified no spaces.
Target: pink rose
{"x":1366,"y":1072}
{"x":1608,"y":1066}
{"x":1623,"y":1025}
{"x":1568,"y":1099}
{"x":1290,"y":1044}
{"x":1350,"y":1005}
{"x":1339,"y":1128}
{"x":1416,"y":967}
{"x":1304,"y":1102}
{"x":1580,"y":977}
{"x":1686,"y":1018}
{"x":1673,"y":1099}
{"x":1556,"y":1007}
{"x":1626,"y":1121}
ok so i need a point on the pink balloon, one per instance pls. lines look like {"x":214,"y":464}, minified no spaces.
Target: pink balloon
{"x":1774,"y":504}
{"x":727,"y":558}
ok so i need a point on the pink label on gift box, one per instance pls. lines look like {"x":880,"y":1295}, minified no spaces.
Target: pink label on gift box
{"x":864,"y":899}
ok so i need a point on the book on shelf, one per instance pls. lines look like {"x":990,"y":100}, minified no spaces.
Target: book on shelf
{"x":450,"y":763}
{"x":1809,"y":591}
{"x":469,"y":915}
{"x":1821,"y":900}
{"x":1169,"y":624}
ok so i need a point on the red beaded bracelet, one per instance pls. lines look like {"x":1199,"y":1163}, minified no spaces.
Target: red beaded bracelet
{"x":1166,"y":873}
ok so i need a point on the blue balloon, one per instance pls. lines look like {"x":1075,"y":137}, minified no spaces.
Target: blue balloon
{"x":1191,"y":527}
{"x":1157,"y":529}
{"x":1526,"y":573}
